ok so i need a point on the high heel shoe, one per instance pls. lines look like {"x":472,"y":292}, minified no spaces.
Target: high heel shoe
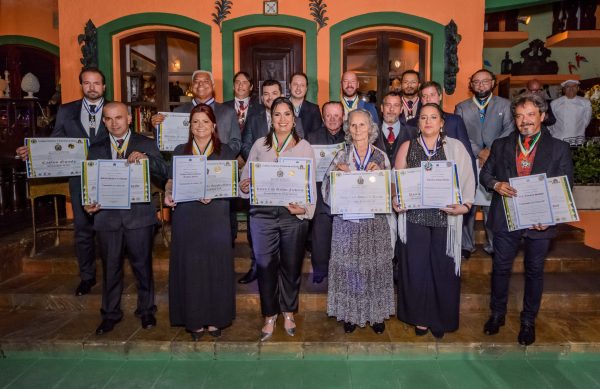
{"x":266,"y":335}
{"x":196,"y":335}
{"x":289,"y":317}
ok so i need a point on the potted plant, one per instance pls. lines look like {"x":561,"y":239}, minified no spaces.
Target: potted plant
{"x":586,"y":166}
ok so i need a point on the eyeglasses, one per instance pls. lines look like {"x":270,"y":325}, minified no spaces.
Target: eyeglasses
{"x":482,"y":82}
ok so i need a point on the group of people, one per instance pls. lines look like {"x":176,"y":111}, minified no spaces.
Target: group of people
{"x":419,"y":249}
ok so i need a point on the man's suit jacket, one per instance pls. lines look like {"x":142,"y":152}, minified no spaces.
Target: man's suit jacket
{"x":369,"y":107}
{"x":310,"y":115}
{"x":552,"y":157}
{"x":68,"y":125}
{"x":497,"y":124}
{"x":416,"y":110}
{"x":254,"y":106}
{"x":407,"y":132}
{"x":257,"y":127}
{"x":141,"y":214}
{"x":227,"y":124}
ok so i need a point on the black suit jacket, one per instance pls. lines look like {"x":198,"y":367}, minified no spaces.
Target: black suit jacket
{"x":407,"y":132}
{"x":310,"y":115}
{"x":254,"y":107}
{"x":68,"y":125}
{"x":141,"y":214}
{"x":552,"y":157}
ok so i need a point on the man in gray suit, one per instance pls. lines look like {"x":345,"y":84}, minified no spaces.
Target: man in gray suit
{"x":203,"y":88}
{"x":487,"y":118}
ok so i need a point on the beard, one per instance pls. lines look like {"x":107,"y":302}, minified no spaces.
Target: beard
{"x":482,"y":94}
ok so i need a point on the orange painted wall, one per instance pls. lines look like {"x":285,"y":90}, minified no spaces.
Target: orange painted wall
{"x":29,"y":18}
{"x":469,"y":21}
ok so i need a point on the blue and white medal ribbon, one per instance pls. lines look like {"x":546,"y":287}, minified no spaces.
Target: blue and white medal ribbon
{"x":429,"y":153}
{"x":362,"y":165}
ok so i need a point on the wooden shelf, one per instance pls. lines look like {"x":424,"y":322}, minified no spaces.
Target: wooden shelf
{"x":585,"y":38}
{"x":494,"y":39}
{"x":550,"y":79}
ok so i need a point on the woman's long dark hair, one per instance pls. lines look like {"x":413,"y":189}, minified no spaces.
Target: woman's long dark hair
{"x":276,"y":102}
{"x":216,"y":143}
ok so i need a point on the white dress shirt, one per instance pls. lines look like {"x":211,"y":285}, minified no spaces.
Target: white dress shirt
{"x":572,"y":116}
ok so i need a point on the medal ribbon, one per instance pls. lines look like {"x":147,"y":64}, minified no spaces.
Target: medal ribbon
{"x":120,"y":150}
{"x":207,"y":102}
{"x":207,"y":151}
{"x":527,"y":151}
{"x":286,"y":142}
{"x":362,"y":165}
{"x":352,"y":106}
{"x":429,"y":153}
{"x":483,"y":106}
{"x":86,"y":105}
{"x":409,"y":110}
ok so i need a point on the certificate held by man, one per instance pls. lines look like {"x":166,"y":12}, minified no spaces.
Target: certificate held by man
{"x":55,"y":157}
{"x":280,"y":183}
{"x":437,"y":184}
{"x":114,"y":184}
{"x":189,"y":177}
{"x":324,"y":154}
{"x":173,"y":131}
{"x":360,"y":192}
{"x":561,"y":198}
{"x":532,"y":202}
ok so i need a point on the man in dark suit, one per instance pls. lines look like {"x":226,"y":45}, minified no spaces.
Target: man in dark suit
{"x":392,"y":132}
{"x":243,"y":102}
{"x":82,"y":119}
{"x":530,"y":150}
{"x":203,"y":88}
{"x":308,"y":113}
{"x":487,"y":118}
{"x":129,"y":230}
{"x":321,"y":224}
{"x":350,"y":98}
{"x":411,"y":103}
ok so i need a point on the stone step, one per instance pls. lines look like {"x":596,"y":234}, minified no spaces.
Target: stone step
{"x":563,"y":292}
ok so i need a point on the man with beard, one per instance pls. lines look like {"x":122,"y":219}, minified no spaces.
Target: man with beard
{"x":531,"y":150}
{"x":82,"y":119}
{"x":487,"y":118}
{"x":331,"y":133}
{"x":350,"y":98}
{"x":392,"y":132}
{"x":307,"y":112}
{"x":203,"y":89}
{"x":411,"y":103}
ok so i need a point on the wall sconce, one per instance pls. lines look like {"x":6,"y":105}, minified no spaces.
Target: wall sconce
{"x":397,"y":64}
{"x":176,"y":65}
{"x":524,"y":19}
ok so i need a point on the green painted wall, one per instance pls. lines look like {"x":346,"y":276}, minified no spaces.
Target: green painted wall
{"x":541,"y":27}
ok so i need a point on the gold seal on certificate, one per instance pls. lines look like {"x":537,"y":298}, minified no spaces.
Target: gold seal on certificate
{"x":360,"y":192}
{"x":281,"y":183}
{"x":139,"y":181}
{"x":55,"y":157}
{"x":173,"y":131}
{"x":195,"y":178}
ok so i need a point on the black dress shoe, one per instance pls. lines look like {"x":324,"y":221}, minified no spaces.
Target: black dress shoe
{"x":196,"y":335}
{"x":318,"y":278}
{"x":85,"y":286}
{"x":148,"y":321}
{"x":248,"y":277}
{"x":421,"y":331}
{"x":465,"y":254}
{"x":107,"y":325}
{"x":437,"y":334}
{"x":492,"y":326}
{"x":526,"y":334}
{"x":215,"y":333}
{"x":349,"y":327}
{"x":378,"y":328}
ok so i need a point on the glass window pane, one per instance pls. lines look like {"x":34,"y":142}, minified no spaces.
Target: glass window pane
{"x":361,"y":58}
{"x":141,"y":55}
{"x":404,"y":55}
{"x":183,"y":55}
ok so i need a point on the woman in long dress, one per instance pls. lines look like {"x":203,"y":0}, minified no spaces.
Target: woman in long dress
{"x":429,"y":273}
{"x":279,"y":232}
{"x":361,"y":285}
{"x":201,"y":270}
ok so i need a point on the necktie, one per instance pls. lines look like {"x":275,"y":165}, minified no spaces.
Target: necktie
{"x":92,"y":120}
{"x":242,"y":105}
{"x":410,"y":104}
{"x":349,"y":102}
{"x":241,"y":114}
{"x":120,"y":153}
{"x":391,"y":137}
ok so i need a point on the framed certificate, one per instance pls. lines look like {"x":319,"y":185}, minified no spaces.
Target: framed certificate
{"x":221,"y":179}
{"x":280,"y":183}
{"x":360,"y":192}
{"x":561,"y":198}
{"x":189,"y":177}
{"x":140,"y":181}
{"x":532,"y":202}
{"x":89,"y":182}
{"x":114,"y":191}
{"x":173,"y":131}
{"x":408,"y":188}
{"x":324,"y":155}
{"x":55,"y":157}
{"x":438,"y":184}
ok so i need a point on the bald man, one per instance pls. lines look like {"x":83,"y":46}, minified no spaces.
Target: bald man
{"x":350,"y":98}
{"x":536,"y":87}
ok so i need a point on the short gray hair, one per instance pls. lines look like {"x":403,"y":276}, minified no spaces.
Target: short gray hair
{"x":373,"y":127}
{"x":532,"y":98}
{"x":212,"y":79}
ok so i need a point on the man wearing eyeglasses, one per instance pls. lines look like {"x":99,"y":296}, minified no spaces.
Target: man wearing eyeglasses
{"x":487,"y":118}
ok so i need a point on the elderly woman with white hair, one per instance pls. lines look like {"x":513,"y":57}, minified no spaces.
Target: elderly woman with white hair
{"x":361,"y":285}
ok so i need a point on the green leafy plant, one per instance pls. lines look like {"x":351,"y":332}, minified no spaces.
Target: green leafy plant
{"x":586,"y":163}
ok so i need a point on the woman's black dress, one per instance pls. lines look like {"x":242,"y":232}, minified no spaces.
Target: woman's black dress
{"x":201,"y":269}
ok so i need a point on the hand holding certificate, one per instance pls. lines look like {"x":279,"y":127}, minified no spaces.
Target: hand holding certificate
{"x":173,"y":131}
{"x":360,"y":192}
{"x":55,"y":157}
{"x":532,"y":202}
{"x":280,"y":183}
{"x":113,"y":184}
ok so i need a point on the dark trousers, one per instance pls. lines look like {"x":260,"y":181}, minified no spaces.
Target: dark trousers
{"x":321,"y":243}
{"x":468,"y":232}
{"x":85,"y":244}
{"x":506,"y":245}
{"x":278,"y":245}
{"x":137,"y":243}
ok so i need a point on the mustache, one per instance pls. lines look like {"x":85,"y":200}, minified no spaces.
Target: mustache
{"x":525,"y":124}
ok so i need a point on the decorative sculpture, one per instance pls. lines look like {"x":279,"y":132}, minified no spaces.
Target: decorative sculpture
{"x":317,"y":11}
{"x":535,"y":60}
{"x":453,"y":38}
{"x":89,"y":49}
{"x":31,"y":85}
{"x":506,"y":64}
{"x":222,"y":8}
